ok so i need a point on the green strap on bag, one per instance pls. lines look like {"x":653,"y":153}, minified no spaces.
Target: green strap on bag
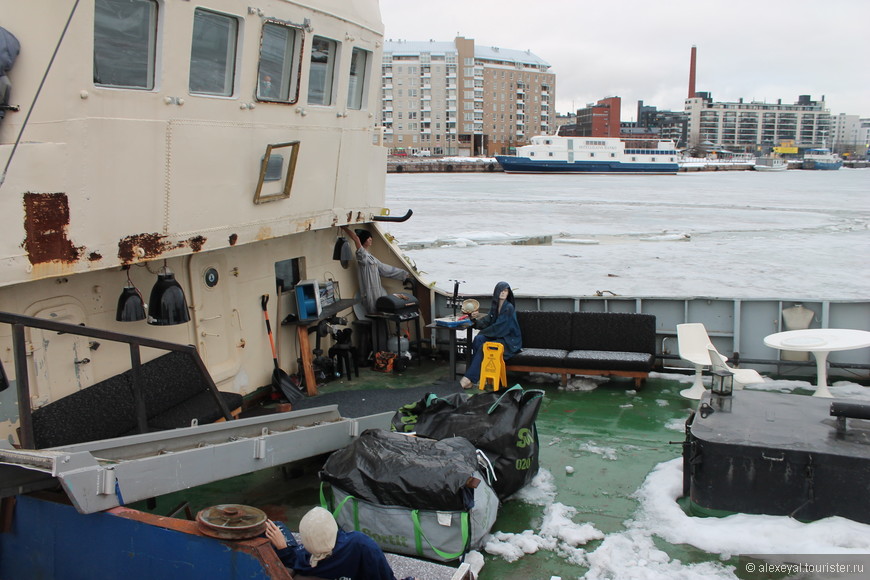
{"x":419,"y":536}
{"x":337,"y":510}
{"x":538,"y":393}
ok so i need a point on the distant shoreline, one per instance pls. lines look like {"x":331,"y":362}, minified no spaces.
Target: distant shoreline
{"x":490,"y":165}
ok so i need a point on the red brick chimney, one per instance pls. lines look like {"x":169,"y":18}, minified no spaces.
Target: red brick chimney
{"x":692,"y":72}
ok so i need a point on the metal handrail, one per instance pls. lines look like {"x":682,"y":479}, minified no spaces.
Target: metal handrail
{"x":22,"y":381}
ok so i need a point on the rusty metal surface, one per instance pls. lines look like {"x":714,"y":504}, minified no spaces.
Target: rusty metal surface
{"x":46,"y":221}
{"x":231,"y":521}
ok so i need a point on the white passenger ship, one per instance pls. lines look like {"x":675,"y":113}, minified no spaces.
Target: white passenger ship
{"x":563,"y":154}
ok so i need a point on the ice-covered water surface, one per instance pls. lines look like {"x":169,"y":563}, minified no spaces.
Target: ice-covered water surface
{"x":793,"y":234}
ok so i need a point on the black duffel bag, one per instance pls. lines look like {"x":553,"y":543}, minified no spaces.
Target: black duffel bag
{"x":502,"y":425}
{"x":387,"y":468}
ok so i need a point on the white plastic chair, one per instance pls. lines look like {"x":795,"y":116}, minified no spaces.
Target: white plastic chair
{"x":694,"y":345}
{"x":742,"y":377}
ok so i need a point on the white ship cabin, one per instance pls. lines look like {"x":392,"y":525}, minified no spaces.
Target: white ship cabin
{"x":559,"y":148}
{"x":218,"y":141}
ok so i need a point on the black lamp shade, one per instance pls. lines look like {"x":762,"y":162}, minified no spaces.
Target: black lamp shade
{"x":130,"y":305}
{"x":342,"y":252}
{"x":167,"y":305}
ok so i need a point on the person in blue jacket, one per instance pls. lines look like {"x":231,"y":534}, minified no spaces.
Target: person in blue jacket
{"x":329,"y":552}
{"x":498,"y":325}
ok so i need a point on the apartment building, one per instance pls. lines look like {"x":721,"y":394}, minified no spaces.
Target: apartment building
{"x":756,"y":126}
{"x":458,"y":98}
{"x":845,"y":135}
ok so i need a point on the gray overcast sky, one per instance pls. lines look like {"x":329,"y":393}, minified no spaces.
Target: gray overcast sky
{"x":639,"y":49}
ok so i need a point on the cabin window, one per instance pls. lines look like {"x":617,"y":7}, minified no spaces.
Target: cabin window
{"x":359,"y":63}
{"x":277,"y":71}
{"x":125,"y":43}
{"x":320,"y":79}
{"x":213,"y":53}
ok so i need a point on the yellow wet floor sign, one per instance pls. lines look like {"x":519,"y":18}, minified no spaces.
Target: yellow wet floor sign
{"x":492,"y":367}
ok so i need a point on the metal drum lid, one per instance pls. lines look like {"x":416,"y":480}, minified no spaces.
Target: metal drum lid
{"x":231,"y":521}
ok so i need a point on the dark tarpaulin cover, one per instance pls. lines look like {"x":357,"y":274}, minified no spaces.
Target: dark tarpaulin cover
{"x":9,"y":48}
{"x":398,"y":470}
{"x":501,"y":424}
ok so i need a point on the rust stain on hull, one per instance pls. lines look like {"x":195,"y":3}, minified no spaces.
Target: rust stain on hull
{"x":143,"y":246}
{"x":46,"y":221}
{"x":153,"y":245}
{"x":196,"y":243}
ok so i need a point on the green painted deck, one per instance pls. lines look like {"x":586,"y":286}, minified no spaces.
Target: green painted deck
{"x":611,"y":436}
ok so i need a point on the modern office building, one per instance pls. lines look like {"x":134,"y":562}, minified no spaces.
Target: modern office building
{"x":673,"y":125}
{"x":756,"y":126}
{"x":458,"y":98}
{"x":845,"y":135}
{"x":864,"y":137}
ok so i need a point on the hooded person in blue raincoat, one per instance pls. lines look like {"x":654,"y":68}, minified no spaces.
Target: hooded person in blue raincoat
{"x":498,"y":325}
{"x":328,"y":552}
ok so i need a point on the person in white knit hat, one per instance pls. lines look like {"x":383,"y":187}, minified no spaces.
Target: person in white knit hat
{"x":329,"y":552}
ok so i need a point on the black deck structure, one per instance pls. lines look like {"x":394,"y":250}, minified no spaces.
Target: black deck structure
{"x":779,"y":454}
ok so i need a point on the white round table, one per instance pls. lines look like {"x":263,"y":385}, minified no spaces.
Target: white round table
{"x":819,"y":341}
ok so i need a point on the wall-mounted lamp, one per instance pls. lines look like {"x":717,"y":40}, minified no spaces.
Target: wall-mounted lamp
{"x":342,"y":252}
{"x":131,"y":307}
{"x":167,"y":305}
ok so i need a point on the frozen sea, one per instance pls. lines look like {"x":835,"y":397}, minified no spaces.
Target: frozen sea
{"x":789,"y":235}
{"x":745,"y":234}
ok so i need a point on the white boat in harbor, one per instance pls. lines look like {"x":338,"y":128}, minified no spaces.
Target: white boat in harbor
{"x":770,"y":164}
{"x":608,"y":155}
{"x":821,"y":158}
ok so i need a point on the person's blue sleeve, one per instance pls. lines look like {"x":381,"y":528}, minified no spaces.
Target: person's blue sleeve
{"x":288,"y":555}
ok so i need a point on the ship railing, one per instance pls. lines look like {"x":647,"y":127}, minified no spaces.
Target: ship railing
{"x":19,"y":347}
